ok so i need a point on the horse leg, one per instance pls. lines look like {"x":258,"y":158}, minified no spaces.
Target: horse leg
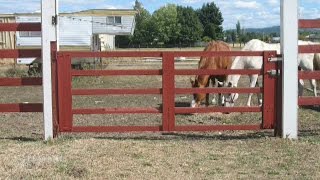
{"x":207,"y":94}
{"x":301,"y":84}
{"x":259,"y":95}
{"x":314,"y":87}
{"x":213,"y":101}
{"x":220,"y":96}
{"x":253,"y":81}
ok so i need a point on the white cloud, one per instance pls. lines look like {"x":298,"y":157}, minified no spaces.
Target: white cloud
{"x":191,"y":1}
{"x":274,"y":2}
{"x":247,"y":4}
{"x":251,"y":13}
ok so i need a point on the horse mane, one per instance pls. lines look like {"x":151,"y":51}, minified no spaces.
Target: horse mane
{"x":217,"y":46}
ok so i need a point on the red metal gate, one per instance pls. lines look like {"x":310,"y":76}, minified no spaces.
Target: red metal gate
{"x":168,"y":92}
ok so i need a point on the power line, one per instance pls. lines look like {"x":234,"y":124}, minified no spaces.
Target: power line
{"x":94,"y":22}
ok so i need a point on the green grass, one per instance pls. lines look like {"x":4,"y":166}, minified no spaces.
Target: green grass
{"x":216,"y":155}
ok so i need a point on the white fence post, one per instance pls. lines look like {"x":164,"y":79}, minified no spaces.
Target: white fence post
{"x":49,"y":9}
{"x":289,"y":49}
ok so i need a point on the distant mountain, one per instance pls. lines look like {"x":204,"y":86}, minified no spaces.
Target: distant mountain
{"x":268,"y":30}
{"x":274,"y":29}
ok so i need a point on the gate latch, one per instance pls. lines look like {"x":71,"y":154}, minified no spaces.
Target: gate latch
{"x":275,"y":59}
{"x":274,"y":72}
{"x":54,"y":20}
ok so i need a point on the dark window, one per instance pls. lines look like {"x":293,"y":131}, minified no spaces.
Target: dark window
{"x":110,"y":19}
{"x":114,"y":20}
{"x":117,"y":19}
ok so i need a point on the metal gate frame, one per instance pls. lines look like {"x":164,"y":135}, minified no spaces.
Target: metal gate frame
{"x":168,"y":91}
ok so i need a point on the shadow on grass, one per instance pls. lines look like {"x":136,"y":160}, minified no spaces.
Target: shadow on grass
{"x":21,"y":139}
{"x":191,"y":136}
{"x":309,"y":133}
{"x":314,"y":108}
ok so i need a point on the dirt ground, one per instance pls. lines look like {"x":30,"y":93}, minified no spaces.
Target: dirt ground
{"x":217,"y":155}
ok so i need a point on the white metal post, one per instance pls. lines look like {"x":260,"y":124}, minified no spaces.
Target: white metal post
{"x":289,"y":49}
{"x":49,"y":9}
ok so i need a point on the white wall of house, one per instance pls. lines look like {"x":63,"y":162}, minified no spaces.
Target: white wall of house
{"x":101,"y":25}
{"x":23,"y":39}
{"x":73,"y":32}
{"x":107,"y":42}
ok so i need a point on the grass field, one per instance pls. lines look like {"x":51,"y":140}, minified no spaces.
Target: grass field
{"x":217,"y":155}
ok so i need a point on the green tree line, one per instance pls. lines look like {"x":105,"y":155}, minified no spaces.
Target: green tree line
{"x":174,"y":25}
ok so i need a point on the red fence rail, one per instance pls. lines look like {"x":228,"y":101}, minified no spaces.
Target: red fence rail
{"x":308,"y":24}
{"x":168,"y":92}
{"x":13,"y":53}
{"x":20,"y":27}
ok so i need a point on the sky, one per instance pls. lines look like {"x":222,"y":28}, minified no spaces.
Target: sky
{"x":250,"y":13}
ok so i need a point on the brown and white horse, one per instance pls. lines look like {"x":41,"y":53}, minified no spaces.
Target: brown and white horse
{"x":203,"y":81}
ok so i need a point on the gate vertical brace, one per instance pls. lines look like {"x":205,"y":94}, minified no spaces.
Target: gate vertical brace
{"x":278,"y":125}
{"x":269,"y":90}
{"x":168,"y":92}
{"x":54,"y":74}
{"x":64,"y":93}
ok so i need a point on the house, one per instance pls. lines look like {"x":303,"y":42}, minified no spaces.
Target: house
{"x":89,"y":30}
{"x":7,"y":39}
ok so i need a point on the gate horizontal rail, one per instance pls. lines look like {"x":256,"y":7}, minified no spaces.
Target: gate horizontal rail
{"x":20,"y":81}
{"x":309,"y":48}
{"x":74,"y":54}
{"x":309,"y":23}
{"x":20,"y":53}
{"x":182,"y":110}
{"x":95,"y":92}
{"x":117,"y":111}
{"x":254,"y":127}
{"x":115,"y":72}
{"x":309,"y":101}
{"x":20,"y":27}
{"x":159,"y":72}
{"x":218,"y":90}
{"x":309,"y":75}
{"x":120,"y":129}
{"x":12,"y":108}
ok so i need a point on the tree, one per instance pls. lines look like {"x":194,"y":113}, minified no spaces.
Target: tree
{"x":141,"y":34}
{"x":165,"y":24}
{"x":190,"y":26}
{"x":211,"y":17}
{"x":233,"y":37}
{"x":238,"y":28}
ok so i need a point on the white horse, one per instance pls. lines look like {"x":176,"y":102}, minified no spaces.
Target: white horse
{"x":305,"y":61}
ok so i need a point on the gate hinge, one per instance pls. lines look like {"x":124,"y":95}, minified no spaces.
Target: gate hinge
{"x":54,"y":20}
{"x":274,"y":72}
